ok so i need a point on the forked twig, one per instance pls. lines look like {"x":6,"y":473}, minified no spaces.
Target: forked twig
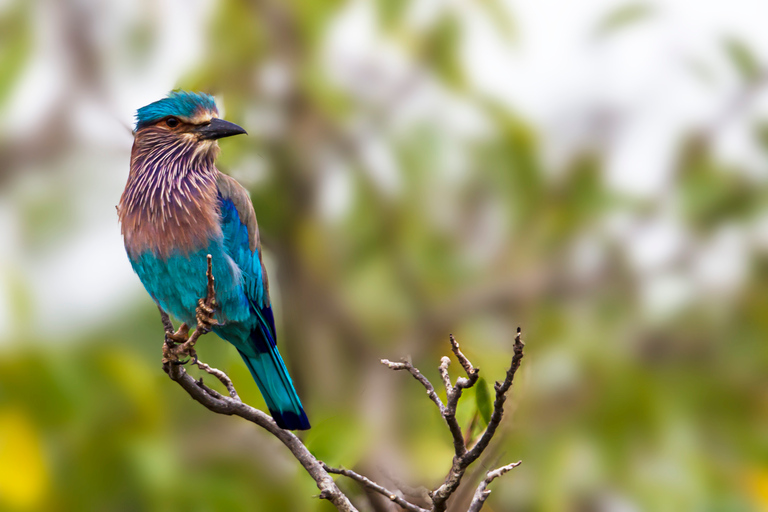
{"x":463,"y":458}
{"x":407,"y":365}
{"x":223,"y":378}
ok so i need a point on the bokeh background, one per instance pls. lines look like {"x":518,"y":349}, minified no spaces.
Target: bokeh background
{"x":594,"y":172}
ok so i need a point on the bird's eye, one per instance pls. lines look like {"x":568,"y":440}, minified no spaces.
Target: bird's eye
{"x":172,"y":122}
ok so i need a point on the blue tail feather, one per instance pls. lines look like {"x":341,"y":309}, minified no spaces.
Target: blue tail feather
{"x":276,"y":386}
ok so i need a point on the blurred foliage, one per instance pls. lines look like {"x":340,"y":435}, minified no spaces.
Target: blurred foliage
{"x":622,"y":17}
{"x":437,"y":232}
{"x":15,"y":45}
{"x":712,"y":195}
{"x":743,"y":59}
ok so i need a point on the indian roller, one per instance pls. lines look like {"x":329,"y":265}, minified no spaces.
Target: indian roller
{"x":176,"y":209}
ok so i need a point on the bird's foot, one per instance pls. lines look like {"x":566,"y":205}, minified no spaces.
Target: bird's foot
{"x":173,"y":353}
{"x":180,"y":336}
{"x":186,"y":350}
{"x":177,"y":345}
{"x":204,"y":314}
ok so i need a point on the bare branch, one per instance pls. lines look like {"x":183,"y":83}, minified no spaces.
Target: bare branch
{"x":223,"y":378}
{"x":319,"y":471}
{"x":175,"y":345}
{"x":181,"y":342}
{"x":482,"y":492}
{"x":449,"y":414}
{"x":368,"y":483}
{"x":471,"y":370}
{"x":167,"y":324}
{"x":443,"y":368}
{"x":462,"y":461}
{"x":501,"y":397}
{"x":221,"y":404}
{"x":405,"y":365}
{"x":454,"y":394}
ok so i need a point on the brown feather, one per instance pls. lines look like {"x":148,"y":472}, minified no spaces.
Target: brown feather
{"x":170,"y":202}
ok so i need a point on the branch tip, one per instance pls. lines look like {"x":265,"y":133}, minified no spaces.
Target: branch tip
{"x":482,"y":492}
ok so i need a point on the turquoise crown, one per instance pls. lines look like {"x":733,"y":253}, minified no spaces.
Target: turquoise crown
{"x":177,"y":103}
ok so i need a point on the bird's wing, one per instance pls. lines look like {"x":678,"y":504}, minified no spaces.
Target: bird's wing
{"x":259,"y":348}
{"x":241,"y":241}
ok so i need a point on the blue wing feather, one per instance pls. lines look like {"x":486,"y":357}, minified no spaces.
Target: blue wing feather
{"x":259,"y":347}
{"x":237,"y":244}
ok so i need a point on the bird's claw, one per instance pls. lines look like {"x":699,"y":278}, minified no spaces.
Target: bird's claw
{"x":205,"y":307}
{"x":178,"y":344}
{"x":173,"y":355}
{"x":180,"y":336}
{"x":204,"y":316}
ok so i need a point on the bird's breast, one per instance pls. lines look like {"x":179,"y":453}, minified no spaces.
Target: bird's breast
{"x":169,"y":219}
{"x":177,"y":282}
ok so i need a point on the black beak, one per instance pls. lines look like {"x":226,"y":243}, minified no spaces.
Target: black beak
{"x":218,"y":129}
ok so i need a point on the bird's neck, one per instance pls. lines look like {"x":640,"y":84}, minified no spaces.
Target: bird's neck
{"x":170,"y":203}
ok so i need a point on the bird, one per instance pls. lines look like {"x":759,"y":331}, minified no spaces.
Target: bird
{"x":176,"y":209}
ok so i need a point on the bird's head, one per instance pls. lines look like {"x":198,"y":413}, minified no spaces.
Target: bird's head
{"x":182,"y":119}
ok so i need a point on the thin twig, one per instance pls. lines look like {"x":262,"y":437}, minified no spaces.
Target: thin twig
{"x":454,"y":394}
{"x":461,"y":462}
{"x":223,"y":378}
{"x":370,"y":484}
{"x":405,"y":365}
{"x":452,"y":401}
{"x":471,"y":370}
{"x":443,"y":369}
{"x":501,"y":396}
{"x":221,"y":404}
{"x":482,"y":492}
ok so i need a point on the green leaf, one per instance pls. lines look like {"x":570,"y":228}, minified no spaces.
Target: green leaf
{"x":623,"y":17}
{"x":483,"y":400}
{"x":743,"y":59}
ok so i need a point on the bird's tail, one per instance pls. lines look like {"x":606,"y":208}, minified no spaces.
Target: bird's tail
{"x":276,"y":386}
